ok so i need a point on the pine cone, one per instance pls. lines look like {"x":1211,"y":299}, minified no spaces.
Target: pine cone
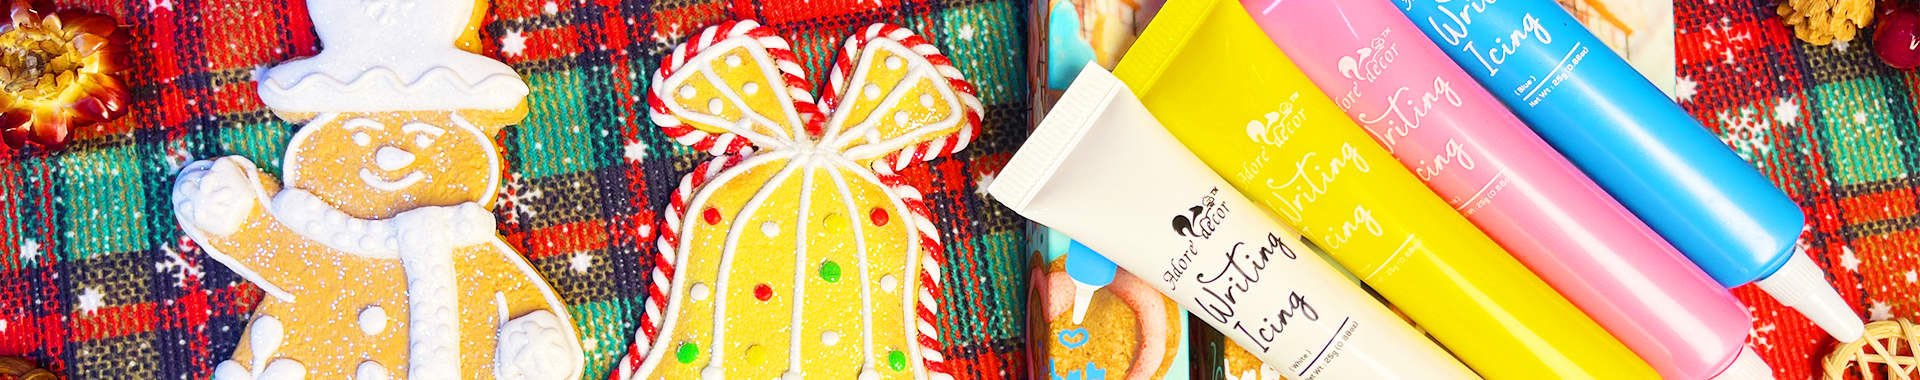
{"x":1822,"y":22}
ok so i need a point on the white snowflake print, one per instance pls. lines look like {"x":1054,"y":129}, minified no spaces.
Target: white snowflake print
{"x":1848,"y":260}
{"x":581,"y":262}
{"x":91,"y":300}
{"x":1787,"y":112}
{"x":29,"y":250}
{"x":980,"y":185}
{"x":513,"y":44}
{"x":1748,"y":134}
{"x":514,"y":197}
{"x":1879,"y":311}
{"x":1685,"y":88}
{"x":635,"y":151}
{"x":175,"y":262}
{"x":966,"y":32}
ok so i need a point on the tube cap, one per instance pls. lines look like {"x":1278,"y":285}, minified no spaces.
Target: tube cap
{"x":1747,"y":366}
{"x":1802,"y":285}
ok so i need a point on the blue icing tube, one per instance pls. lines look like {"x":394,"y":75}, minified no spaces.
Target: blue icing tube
{"x":1090,"y":271}
{"x":1646,"y":151}
{"x":1067,"y":53}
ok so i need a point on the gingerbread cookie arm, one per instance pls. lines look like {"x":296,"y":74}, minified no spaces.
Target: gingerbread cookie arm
{"x":220,"y":204}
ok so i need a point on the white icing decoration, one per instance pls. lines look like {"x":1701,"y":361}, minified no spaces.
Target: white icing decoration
{"x":215,"y":196}
{"x":869,"y":374}
{"x":926,"y":100}
{"x":362,"y":139}
{"x":374,"y":181}
{"x":750,"y":88}
{"x":422,"y":141}
{"x":842,"y":132}
{"x":830,"y":338}
{"x":419,"y":127}
{"x":894,"y":62}
{"x":872,"y":91}
{"x":733,"y":60}
{"x":536,"y":346}
{"x":713,"y":372}
{"x":770,"y":229}
{"x":314,"y":219}
{"x":265,"y":335}
{"x":687,"y":91}
{"x":790,"y":375}
{"x":373,"y":320}
{"x":702,"y":65}
{"x":700,"y":292}
{"x":283,"y":369}
{"x":370,"y":370}
{"x":900,"y":118}
{"x":296,"y":149}
{"x":369,"y":65}
{"x":714,"y":106}
{"x":231,"y":370}
{"x":390,"y":158}
{"x":888,"y":283}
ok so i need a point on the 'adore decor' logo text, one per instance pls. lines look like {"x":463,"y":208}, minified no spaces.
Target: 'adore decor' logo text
{"x":1200,"y":220}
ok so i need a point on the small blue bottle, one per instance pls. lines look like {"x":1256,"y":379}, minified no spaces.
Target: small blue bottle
{"x":1637,"y":144}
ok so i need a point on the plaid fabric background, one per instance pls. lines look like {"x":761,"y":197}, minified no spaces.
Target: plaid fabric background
{"x":1835,"y":127}
{"x":97,"y":282}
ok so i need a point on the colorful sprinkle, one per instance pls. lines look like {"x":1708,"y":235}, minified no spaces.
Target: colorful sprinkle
{"x":830,"y":271}
{"x":763,"y":292}
{"x":879,"y":216}
{"x":756,"y":355}
{"x":688,"y":351}
{"x":712,"y":215}
{"x":897,"y":360}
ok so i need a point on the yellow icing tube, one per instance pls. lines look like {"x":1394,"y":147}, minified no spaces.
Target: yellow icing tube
{"x":1207,"y":72}
{"x":1102,"y":171}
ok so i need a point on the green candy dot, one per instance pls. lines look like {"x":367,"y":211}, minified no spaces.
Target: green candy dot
{"x":830,"y":271}
{"x":688,"y":352}
{"x":897,"y":360}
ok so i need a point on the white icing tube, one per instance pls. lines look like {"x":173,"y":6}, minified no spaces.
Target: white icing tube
{"x":1101,"y":170}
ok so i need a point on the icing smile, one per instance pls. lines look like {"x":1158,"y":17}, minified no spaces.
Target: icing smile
{"x":404,"y":182}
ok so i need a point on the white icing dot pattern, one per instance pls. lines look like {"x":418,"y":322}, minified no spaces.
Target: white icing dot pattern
{"x":770,"y":229}
{"x":872,"y":91}
{"x":750,"y":88}
{"x":894,"y":63}
{"x":889,"y":284}
{"x":830,"y":338}
{"x":362,"y":139}
{"x":370,"y":370}
{"x":687,"y":92}
{"x":700,"y":292}
{"x":373,"y":320}
{"x":714,"y":107}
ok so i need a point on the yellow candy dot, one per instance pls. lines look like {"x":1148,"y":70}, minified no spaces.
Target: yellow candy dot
{"x":756,"y":355}
{"x":835,"y":223}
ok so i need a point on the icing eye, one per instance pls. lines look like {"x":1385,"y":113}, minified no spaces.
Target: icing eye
{"x":750,"y":88}
{"x":873,"y":91}
{"x":361,"y":139}
{"x":713,"y":106}
{"x":926,"y":100}
{"x":422,"y":140}
{"x":686,"y":91}
{"x":894,"y":63}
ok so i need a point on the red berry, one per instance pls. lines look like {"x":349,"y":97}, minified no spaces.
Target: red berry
{"x":879,"y":216}
{"x":712,"y":216}
{"x":763,"y":292}
{"x":1897,"y":39}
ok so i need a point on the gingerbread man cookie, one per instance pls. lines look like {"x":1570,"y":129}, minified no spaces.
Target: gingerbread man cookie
{"x":377,"y":251}
{"x":798,"y":252}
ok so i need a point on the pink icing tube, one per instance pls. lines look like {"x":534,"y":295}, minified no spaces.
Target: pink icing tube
{"x":1464,"y":144}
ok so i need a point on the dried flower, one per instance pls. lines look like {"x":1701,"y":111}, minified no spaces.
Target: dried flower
{"x":56,"y":73}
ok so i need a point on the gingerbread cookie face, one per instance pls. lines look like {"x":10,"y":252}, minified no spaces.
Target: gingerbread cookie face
{"x":374,"y":165}
{"x":798,"y":252}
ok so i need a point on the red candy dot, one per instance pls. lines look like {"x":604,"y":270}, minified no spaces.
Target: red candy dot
{"x":879,"y":216}
{"x":763,"y":292}
{"x":711,"y":215}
